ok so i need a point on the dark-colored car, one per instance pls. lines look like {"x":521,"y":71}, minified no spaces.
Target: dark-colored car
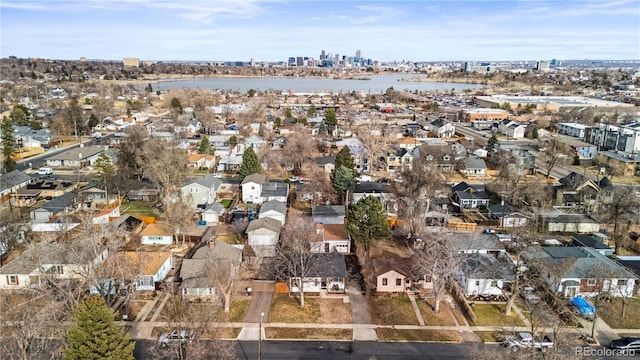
{"x":626,"y":343}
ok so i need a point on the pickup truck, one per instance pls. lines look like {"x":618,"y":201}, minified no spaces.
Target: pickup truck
{"x":525,"y":340}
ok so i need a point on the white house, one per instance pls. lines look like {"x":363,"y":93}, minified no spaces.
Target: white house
{"x":41,"y":261}
{"x":327,"y":272}
{"x":201,"y":190}
{"x":156,"y":234}
{"x":213,"y":213}
{"x":274,"y":209}
{"x":484,"y":274}
{"x":252,"y":188}
{"x":474,"y":167}
{"x":515,"y":131}
{"x":77,"y":157}
{"x":332,"y":237}
{"x":144,"y":269}
{"x":442,"y":129}
{"x":263,"y":235}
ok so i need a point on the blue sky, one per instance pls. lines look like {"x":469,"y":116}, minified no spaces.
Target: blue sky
{"x":275,"y":30}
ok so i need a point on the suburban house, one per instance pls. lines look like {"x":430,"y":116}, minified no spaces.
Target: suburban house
{"x":396,"y":275}
{"x":507,"y":215}
{"x":482,"y":274}
{"x":359,"y":153}
{"x":473,"y":243}
{"x":92,"y":195}
{"x":332,"y":237}
{"x":555,"y":221}
{"x":12,"y":181}
{"x":76,"y":158}
{"x":201,"y":161}
{"x":147,"y":195}
{"x":466,"y":196}
{"x":209,"y":270}
{"x":154,"y":234}
{"x":274,"y":209}
{"x":255,"y":142}
{"x":278,"y":143}
{"x":326,"y":163}
{"x":576,"y":190}
{"x":328,"y":214}
{"x":44,"y":262}
{"x":252,"y":188}
{"x":440,"y":128}
{"x":594,"y":241}
{"x":473,"y":167}
{"x":144,"y":269}
{"x":263,"y":235}
{"x":399,"y":159}
{"x":201,"y":191}
{"x":229,"y":163}
{"x":273,"y":190}
{"x":382,"y":192}
{"x":213,"y":213}
{"x":327,"y":272}
{"x":61,"y":205}
{"x":580,"y":271}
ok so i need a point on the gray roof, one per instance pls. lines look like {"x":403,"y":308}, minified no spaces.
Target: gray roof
{"x":485,"y":266}
{"x":325,"y":160}
{"x":274,"y":205}
{"x":474,"y":241}
{"x":60,"y":203}
{"x":13,"y":178}
{"x":215,"y":208}
{"x":43,"y":254}
{"x":196,"y":272}
{"x":327,"y":265}
{"x":328,"y":210}
{"x":255,"y":178}
{"x":264,"y":223}
{"x":477,"y":195}
{"x":77,"y":153}
{"x":579,"y":262}
{"x":273,"y":188}
{"x":208,"y":181}
{"x":474,"y":163}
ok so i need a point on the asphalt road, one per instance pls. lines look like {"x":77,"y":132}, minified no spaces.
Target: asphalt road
{"x":323,"y":350}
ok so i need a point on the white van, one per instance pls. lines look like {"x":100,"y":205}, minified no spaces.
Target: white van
{"x":45,"y":171}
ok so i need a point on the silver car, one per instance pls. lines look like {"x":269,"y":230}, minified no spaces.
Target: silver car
{"x":176,"y":337}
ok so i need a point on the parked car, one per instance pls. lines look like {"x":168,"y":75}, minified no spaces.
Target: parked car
{"x":529,"y":294}
{"x":525,"y":340}
{"x":488,"y":231}
{"x":176,"y":337}
{"x":583,"y":307}
{"x":363,"y":178}
{"x":626,"y":343}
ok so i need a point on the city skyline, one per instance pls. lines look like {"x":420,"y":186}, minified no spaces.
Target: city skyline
{"x":276,"y":30}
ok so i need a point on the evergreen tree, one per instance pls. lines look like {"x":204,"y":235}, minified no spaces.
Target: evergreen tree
{"x":93,"y":121}
{"x":250,"y":164}
{"x":312,"y":111}
{"x":492,"y":143}
{"x":345,"y":159}
{"x":8,"y":140}
{"x":95,"y":334}
{"x":366,"y":222}
{"x":343,"y":181}
{"x":330,"y":118}
{"x":18,"y":115}
{"x":277,"y":123}
{"x":322,"y":128}
{"x":176,"y":105}
{"x":104,"y":169}
{"x":205,"y":146}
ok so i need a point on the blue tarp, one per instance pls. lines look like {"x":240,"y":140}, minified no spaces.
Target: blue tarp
{"x":583,"y":306}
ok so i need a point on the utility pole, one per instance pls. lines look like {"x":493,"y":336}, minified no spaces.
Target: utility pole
{"x":260,"y":337}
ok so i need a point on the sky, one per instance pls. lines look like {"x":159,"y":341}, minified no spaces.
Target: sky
{"x":273,"y":30}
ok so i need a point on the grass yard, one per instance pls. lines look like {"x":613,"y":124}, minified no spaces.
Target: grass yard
{"x":443,"y":318}
{"x":391,"y":310}
{"x":309,"y":334}
{"x":139,"y":208}
{"x":237,"y":310}
{"x":611,"y":313}
{"x":226,"y":203}
{"x":491,"y":336}
{"x":229,"y":238}
{"x":419,"y":335}
{"x":287,"y":309}
{"x":493,"y":315}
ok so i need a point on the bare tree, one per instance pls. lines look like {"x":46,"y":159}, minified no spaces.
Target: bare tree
{"x":376,"y":138}
{"x":293,"y":254}
{"x":177,"y":213}
{"x":298,"y":148}
{"x":166,"y":165}
{"x":622,"y":213}
{"x":552,"y":155}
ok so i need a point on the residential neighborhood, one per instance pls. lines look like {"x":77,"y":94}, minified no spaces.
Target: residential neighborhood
{"x":399,"y":216}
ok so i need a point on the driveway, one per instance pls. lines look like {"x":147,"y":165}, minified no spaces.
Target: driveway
{"x":260,"y":303}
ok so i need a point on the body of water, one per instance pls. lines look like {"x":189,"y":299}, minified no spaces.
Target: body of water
{"x":378,"y":84}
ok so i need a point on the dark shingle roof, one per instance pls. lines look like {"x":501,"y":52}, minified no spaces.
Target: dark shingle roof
{"x":13,"y":178}
{"x":328,"y":210}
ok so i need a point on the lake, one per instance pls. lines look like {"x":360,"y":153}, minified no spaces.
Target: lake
{"x":378,"y":84}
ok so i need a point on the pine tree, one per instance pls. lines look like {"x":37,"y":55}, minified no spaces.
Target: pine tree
{"x":343,"y":181}
{"x":366,"y":222}
{"x":95,"y":334}
{"x":8,"y":140}
{"x":493,"y":140}
{"x":250,"y":164}
{"x":205,"y":146}
{"x":330,"y":118}
{"x":345,"y":159}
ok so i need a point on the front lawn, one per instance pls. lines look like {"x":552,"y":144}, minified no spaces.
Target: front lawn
{"x":391,"y":310}
{"x":443,"y":318}
{"x":309,"y":334}
{"x":611,"y":313}
{"x":493,"y":315}
{"x":418,"y":335}
{"x":286,"y":309}
{"x":237,"y":309}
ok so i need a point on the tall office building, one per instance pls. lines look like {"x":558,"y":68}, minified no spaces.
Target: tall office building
{"x":323,"y":55}
{"x":358,"y":55}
